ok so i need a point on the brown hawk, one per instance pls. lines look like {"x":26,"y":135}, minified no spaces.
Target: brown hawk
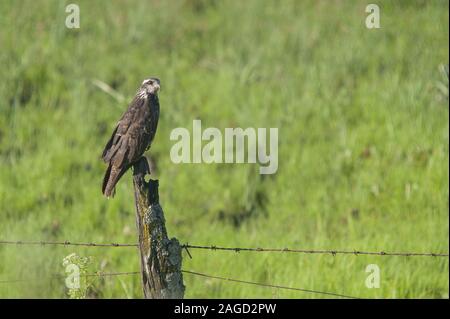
{"x":133,"y":134}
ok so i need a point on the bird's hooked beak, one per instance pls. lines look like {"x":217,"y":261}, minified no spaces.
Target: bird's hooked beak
{"x":157,"y":85}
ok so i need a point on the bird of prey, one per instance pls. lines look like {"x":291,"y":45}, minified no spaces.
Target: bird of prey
{"x":133,"y":134}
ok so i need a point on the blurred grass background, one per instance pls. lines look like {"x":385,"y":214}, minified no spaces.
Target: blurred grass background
{"x":363,"y":141}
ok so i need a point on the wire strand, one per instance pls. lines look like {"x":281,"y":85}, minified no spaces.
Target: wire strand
{"x":112,"y":274}
{"x":98,"y":274}
{"x":269,"y":285}
{"x":311,"y":251}
{"x":64,"y":243}
{"x":234,"y":249}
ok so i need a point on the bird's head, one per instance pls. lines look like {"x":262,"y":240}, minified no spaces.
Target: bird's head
{"x":150,"y":86}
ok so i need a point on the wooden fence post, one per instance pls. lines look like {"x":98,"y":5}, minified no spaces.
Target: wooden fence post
{"x":160,"y":256}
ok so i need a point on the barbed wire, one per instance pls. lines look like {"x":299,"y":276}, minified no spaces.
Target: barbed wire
{"x":112,"y":274}
{"x":64,"y":243}
{"x":311,"y":251}
{"x":234,"y":249}
{"x":97,"y":274}
{"x":268,"y":285}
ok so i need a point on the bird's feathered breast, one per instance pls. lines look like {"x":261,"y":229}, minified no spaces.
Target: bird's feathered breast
{"x":134,"y":132}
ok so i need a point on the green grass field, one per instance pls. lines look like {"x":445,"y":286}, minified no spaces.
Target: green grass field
{"x":363,"y":142}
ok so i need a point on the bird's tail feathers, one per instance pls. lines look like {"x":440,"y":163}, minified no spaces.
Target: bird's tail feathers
{"x":112,"y":176}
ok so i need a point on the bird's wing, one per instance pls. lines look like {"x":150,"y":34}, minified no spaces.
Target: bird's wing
{"x":118,"y":142}
{"x":142,"y":130}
